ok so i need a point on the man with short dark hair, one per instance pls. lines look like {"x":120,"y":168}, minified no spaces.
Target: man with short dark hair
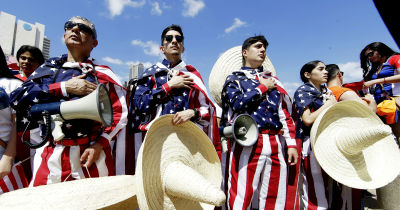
{"x":261,"y":167}
{"x":86,"y":149}
{"x":171,"y":87}
{"x":335,"y":84}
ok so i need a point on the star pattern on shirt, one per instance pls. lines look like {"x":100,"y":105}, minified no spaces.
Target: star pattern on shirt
{"x":24,"y":120}
{"x":241,"y":95}
{"x":306,"y":96}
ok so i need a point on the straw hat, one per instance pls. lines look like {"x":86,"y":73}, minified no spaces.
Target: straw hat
{"x":354,"y":147}
{"x":178,"y":168}
{"x":113,"y":192}
{"x":229,"y":61}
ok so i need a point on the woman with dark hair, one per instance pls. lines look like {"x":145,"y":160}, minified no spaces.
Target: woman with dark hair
{"x":381,"y":70}
{"x":29,"y":59}
{"x":310,"y":100}
{"x":8,"y":135}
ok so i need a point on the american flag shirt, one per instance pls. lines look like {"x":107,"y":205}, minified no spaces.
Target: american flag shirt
{"x":154,"y":98}
{"x":47,"y":84}
{"x":243,"y":93}
{"x":307,"y":96}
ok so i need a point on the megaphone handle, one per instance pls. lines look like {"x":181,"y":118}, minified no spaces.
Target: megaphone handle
{"x":224,"y":144}
{"x":45,"y":138}
{"x":57,"y":131}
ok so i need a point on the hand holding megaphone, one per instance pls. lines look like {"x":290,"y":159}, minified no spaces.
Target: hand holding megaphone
{"x":96,"y":106}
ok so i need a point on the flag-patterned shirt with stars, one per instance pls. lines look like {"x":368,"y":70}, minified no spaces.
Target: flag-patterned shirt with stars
{"x":243,"y":93}
{"x":153,"y":98}
{"x":47,"y":84}
{"x":306,"y":96}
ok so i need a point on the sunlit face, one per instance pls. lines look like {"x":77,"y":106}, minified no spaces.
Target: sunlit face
{"x":254,"y":55}
{"x":172,"y":48}
{"x":78,"y":39}
{"x":318,"y":75}
{"x":27,"y":63}
{"x":373,"y":55}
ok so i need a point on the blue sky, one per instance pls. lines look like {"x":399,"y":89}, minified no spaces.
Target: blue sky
{"x":298,"y":31}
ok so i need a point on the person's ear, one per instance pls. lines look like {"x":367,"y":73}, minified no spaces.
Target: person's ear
{"x":244,"y":53}
{"x":162,"y":49}
{"x":95,"y":43}
{"x":307,"y":75}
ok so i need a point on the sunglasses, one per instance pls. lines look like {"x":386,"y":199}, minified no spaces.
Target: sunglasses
{"x":370,"y":54}
{"x":69,"y":25}
{"x":342,"y":73}
{"x":169,"y":38}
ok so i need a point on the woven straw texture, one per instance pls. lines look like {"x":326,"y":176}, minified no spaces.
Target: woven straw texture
{"x":229,"y":61}
{"x":167,"y":145}
{"x":114,"y":192}
{"x":354,"y":147}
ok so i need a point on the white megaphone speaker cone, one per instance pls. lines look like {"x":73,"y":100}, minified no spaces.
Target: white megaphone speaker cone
{"x":244,"y":130}
{"x":95,"y":106}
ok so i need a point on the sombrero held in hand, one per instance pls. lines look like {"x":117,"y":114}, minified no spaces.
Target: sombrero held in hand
{"x":178,"y":168}
{"x":229,"y":61}
{"x":354,"y":147}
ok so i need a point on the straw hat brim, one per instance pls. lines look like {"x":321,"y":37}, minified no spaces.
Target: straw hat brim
{"x":165,"y":143}
{"x":374,"y":167}
{"x":113,"y":192}
{"x":229,"y":61}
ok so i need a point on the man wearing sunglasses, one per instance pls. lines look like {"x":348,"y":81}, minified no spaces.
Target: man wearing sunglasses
{"x":335,"y":84}
{"x":172,"y":87}
{"x":85,"y":151}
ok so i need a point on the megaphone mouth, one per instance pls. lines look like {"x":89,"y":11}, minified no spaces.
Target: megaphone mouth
{"x":245,"y":130}
{"x":103,"y":103}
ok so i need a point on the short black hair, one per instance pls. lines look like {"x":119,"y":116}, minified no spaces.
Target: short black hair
{"x":332,"y":69}
{"x":308,"y":67}
{"x":251,"y":40}
{"x":36,"y":53}
{"x":172,"y":27}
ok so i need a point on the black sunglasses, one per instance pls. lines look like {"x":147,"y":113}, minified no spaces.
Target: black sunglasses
{"x":342,"y":73}
{"x":370,"y":54}
{"x":169,"y":38}
{"x":69,"y":25}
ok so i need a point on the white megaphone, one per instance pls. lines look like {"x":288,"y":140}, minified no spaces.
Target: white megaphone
{"x":95,"y":106}
{"x":243,"y":130}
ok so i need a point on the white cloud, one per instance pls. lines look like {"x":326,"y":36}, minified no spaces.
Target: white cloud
{"x":62,"y":39}
{"x":156,"y":10}
{"x":113,"y":60}
{"x":149,"y":47}
{"x":117,"y":6}
{"x":117,"y":61}
{"x":352,"y":71}
{"x":237,"y":23}
{"x":192,"y":7}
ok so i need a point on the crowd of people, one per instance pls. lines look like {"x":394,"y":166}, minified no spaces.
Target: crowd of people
{"x":254,"y":176}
